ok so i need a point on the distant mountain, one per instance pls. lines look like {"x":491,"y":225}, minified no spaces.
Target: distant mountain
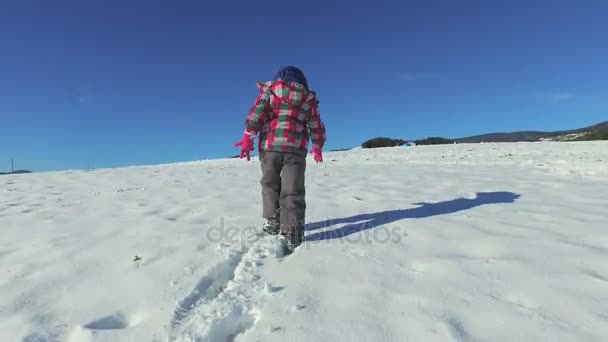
{"x":16,"y":172}
{"x":596,"y":132}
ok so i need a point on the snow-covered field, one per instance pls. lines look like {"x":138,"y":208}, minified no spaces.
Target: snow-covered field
{"x":488,"y":242}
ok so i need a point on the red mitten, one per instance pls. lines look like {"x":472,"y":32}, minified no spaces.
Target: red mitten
{"x":246,"y":144}
{"x":317,"y":154}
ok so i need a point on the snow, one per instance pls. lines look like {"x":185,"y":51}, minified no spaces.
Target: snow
{"x":487,"y":242}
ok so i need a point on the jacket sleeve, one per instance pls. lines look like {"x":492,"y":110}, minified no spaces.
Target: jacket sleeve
{"x":316,"y":126}
{"x":258,"y":114}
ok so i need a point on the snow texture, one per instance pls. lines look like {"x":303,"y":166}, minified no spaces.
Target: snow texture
{"x":487,"y":242}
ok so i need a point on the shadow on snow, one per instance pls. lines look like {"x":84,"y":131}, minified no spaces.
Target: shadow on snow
{"x":363,"y":222}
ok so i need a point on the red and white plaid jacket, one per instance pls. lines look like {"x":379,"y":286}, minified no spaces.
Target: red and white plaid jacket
{"x":286,"y":115}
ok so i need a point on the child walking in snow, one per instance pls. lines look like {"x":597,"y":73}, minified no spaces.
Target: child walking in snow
{"x":285,"y":116}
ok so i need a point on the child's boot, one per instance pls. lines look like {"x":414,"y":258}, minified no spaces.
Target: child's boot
{"x":271,"y":226}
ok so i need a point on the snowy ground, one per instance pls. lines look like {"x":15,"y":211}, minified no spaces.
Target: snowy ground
{"x":489,"y":242}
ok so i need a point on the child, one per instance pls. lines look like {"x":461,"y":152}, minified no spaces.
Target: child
{"x":285,"y":115}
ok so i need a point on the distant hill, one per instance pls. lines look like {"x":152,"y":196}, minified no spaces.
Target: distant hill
{"x":596,"y":132}
{"x":16,"y":172}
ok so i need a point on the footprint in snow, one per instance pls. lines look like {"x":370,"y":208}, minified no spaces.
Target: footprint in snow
{"x":112,"y":322}
{"x":594,"y":274}
{"x":273,"y":289}
{"x":39,"y":337}
{"x":457,"y":329}
{"x":209,"y":287}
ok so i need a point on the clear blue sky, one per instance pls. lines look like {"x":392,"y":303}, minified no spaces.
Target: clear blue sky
{"x":88,"y":84}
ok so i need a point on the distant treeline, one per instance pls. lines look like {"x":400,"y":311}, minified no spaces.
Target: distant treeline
{"x":15,"y":172}
{"x":389,"y":142}
{"x":434,"y":141}
{"x":383,"y":142}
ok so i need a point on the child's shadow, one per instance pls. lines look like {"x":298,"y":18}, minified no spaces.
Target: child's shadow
{"x":369,"y":221}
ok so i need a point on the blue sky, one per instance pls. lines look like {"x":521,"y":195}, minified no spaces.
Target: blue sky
{"x":88,"y":84}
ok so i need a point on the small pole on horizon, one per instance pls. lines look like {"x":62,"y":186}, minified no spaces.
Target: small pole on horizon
{"x":12,"y":166}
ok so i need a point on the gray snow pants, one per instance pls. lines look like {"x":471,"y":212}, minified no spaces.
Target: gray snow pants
{"x":283,"y":176}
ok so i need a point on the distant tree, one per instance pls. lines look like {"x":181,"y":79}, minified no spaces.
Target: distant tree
{"x":382,"y":142}
{"x":434,"y":141}
{"x":595,"y":135}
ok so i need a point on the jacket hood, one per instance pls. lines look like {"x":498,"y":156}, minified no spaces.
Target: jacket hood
{"x":292,"y":91}
{"x":291,"y":74}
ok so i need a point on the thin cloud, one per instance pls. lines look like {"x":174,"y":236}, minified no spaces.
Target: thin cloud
{"x":85,"y":99}
{"x":557,"y":97}
{"x":419,"y":76}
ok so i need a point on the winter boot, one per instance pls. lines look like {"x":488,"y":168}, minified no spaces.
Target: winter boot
{"x":271,"y":226}
{"x":291,"y":239}
{"x":287,"y":246}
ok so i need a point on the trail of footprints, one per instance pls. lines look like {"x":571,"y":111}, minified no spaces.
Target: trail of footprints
{"x":222,"y":305}
{"x":209,"y":287}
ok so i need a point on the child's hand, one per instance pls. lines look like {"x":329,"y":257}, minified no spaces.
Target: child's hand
{"x":246,"y":144}
{"x":317,"y":154}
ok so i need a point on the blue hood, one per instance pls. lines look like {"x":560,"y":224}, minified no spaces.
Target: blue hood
{"x":291,"y":74}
